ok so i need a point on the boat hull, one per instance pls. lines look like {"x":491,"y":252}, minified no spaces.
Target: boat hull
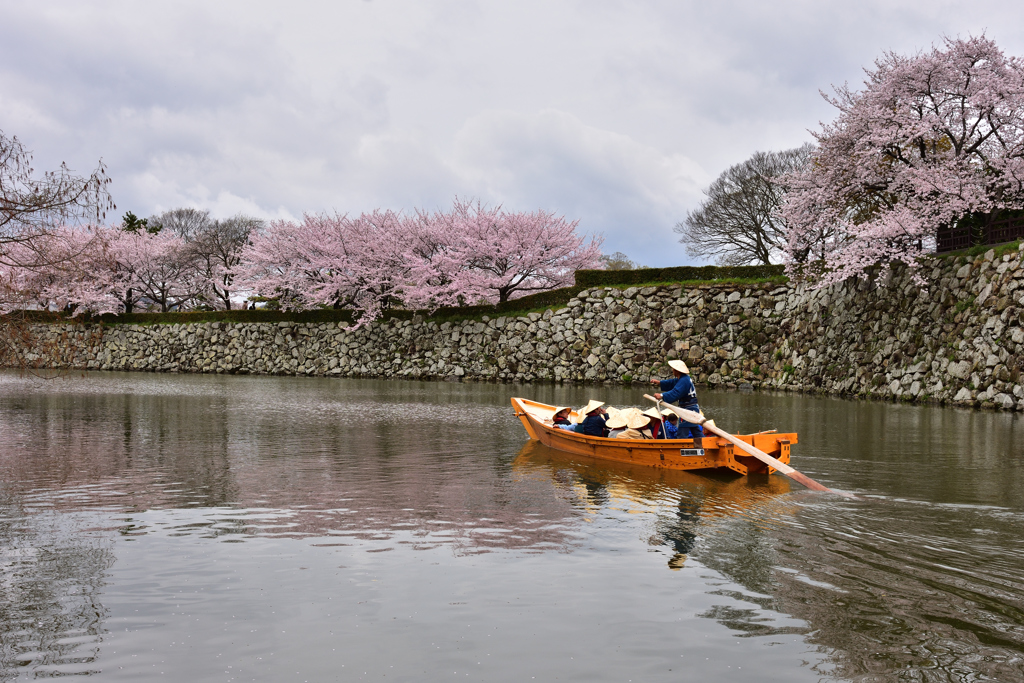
{"x":674,"y":454}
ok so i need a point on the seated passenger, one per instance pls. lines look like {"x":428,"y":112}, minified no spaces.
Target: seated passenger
{"x":561,"y":420}
{"x":617,"y":422}
{"x":655,"y":424}
{"x":594,"y":422}
{"x":671,"y":423}
{"x":637,"y":426}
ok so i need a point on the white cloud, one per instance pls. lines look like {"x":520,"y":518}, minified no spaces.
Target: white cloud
{"x":612,"y":112}
{"x":629,"y":191}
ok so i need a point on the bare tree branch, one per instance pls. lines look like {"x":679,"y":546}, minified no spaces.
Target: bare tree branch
{"x":31,"y":205}
{"x":738,"y":222}
{"x":32,"y":208}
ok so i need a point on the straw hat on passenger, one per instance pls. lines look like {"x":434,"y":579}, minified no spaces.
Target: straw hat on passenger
{"x":638,"y":420}
{"x":617,"y":421}
{"x":591,"y":407}
{"x":559,"y":409}
{"x":653,"y":413}
{"x":623,"y":418}
{"x":680,"y":366}
{"x":668,"y":413}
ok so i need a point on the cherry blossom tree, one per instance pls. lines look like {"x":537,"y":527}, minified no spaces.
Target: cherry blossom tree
{"x":106,"y":269}
{"x":35,"y":210}
{"x":276,"y":263}
{"x":155,"y":268}
{"x":76,"y":278}
{"x":338,"y":261}
{"x":929,"y":140}
{"x":69,"y":268}
{"x":24,"y":276}
{"x":513,"y":253}
{"x":435,"y":262}
{"x":384,"y":258}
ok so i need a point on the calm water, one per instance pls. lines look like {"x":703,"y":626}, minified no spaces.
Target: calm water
{"x":278,"y":529}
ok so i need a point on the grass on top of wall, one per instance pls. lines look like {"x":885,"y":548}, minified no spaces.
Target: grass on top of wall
{"x":480,"y":312}
{"x":185,"y":317}
{"x":534,"y":303}
{"x":999,"y":249}
{"x":679,"y":274}
{"x":776,"y":280}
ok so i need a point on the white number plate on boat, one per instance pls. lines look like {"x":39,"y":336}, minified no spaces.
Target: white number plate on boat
{"x":692,"y":451}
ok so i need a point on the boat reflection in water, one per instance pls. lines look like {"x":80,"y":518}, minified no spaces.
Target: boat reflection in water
{"x":689,"y":508}
{"x":715,"y":521}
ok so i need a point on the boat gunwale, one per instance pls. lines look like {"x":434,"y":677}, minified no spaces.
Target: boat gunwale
{"x":604,"y":440}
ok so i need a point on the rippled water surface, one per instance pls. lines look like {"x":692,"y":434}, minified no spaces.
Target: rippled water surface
{"x":210,"y":528}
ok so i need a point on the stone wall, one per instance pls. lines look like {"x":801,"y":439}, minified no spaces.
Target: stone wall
{"x":957,"y":338}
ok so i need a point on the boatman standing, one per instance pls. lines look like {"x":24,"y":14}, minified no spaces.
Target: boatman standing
{"x":680,"y":390}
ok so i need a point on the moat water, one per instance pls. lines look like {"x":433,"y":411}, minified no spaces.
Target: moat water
{"x":212,"y":528}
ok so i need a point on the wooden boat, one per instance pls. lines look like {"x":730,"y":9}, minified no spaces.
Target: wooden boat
{"x":709,"y":453}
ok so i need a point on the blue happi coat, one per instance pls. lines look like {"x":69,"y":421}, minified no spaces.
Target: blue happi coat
{"x":680,"y":390}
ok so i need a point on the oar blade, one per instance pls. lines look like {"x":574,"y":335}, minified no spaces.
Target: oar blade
{"x":807,"y":481}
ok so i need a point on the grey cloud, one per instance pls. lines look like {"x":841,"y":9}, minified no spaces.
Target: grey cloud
{"x":628,"y":191}
{"x":615,"y":112}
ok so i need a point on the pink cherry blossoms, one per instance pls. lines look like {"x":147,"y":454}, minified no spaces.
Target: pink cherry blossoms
{"x":367,"y":264}
{"x":382,"y":259}
{"x":99,"y":270}
{"x":929,"y":140}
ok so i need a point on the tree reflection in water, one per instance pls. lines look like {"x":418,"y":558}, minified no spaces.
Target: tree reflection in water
{"x":52,"y":571}
{"x":919,"y":580}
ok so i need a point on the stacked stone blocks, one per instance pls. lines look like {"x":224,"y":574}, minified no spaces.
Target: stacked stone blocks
{"x":955,"y":335}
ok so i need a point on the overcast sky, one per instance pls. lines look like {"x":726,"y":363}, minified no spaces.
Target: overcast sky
{"x":616,"y":113}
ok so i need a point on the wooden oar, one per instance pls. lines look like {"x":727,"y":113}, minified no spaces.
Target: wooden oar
{"x":697,"y":418}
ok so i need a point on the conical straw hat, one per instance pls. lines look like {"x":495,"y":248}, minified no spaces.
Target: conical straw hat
{"x":680,"y":366}
{"x":623,"y":418}
{"x":591,"y":407}
{"x":617,"y":421}
{"x":638,"y":420}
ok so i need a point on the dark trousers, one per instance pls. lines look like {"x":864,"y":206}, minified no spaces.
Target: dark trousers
{"x":688,"y":430}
